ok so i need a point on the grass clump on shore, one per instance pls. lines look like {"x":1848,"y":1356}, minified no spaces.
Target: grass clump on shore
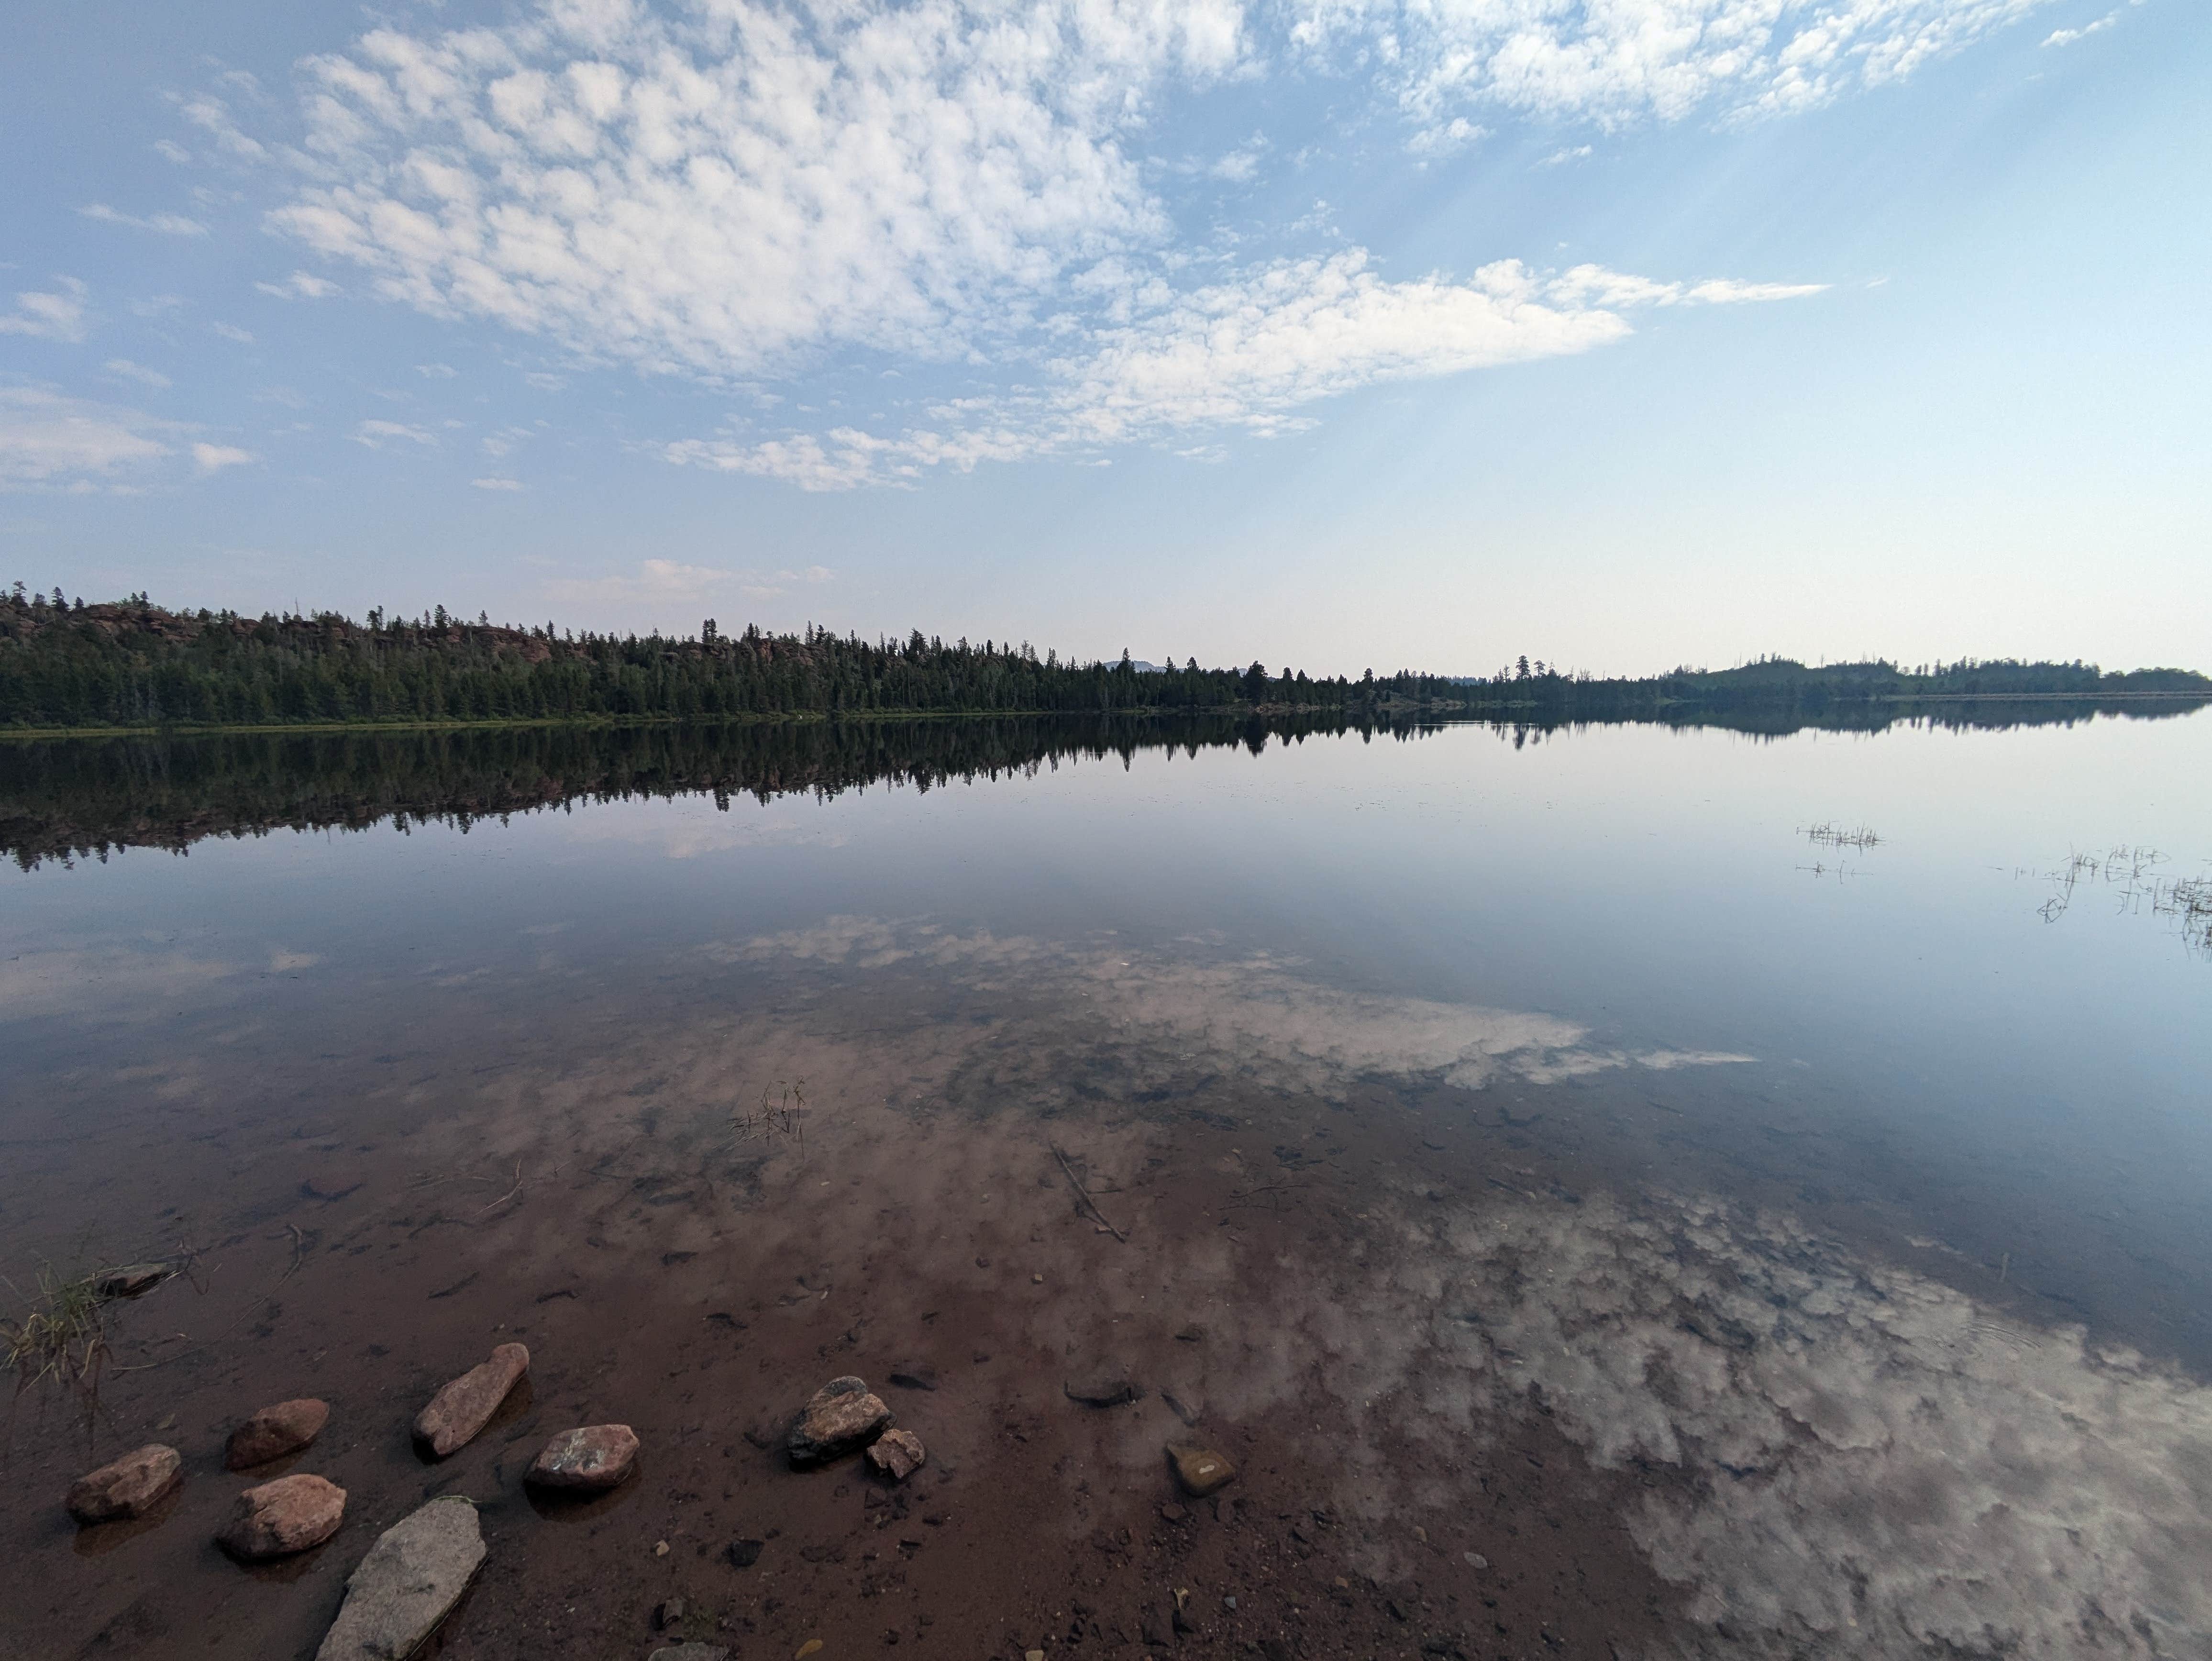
{"x":63,"y":1337}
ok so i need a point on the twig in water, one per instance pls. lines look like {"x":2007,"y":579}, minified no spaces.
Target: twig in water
{"x":510,"y":1193}
{"x":1084,"y":1194}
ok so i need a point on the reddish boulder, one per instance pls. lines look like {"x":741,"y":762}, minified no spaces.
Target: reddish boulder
{"x":274,"y":1431}
{"x":586,"y":1461}
{"x":840,"y":1417}
{"x":464,"y":1407}
{"x":129,"y":1486}
{"x":896,"y":1454}
{"x":283,"y":1517}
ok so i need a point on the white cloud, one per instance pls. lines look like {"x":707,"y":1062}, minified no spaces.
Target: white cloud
{"x":48,"y":314}
{"x":377,"y":434}
{"x":169,"y":224}
{"x":232,"y":332}
{"x":46,"y":438}
{"x":172,"y":150}
{"x":718,"y":191}
{"x":137,"y":372}
{"x":1565,"y":154}
{"x":1250,"y":353}
{"x":496,"y":483}
{"x":671,"y":580}
{"x":2068,"y":37}
{"x":734,"y":193}
{"x":1597,"y":285}
{"x":1617,"y":61}
{"x":1447,"y":138}
{"x":212,"y":116}
{"x":436,"y":371}
{"x":300,"y":285}
{"x":213,"y":457}
{"x":655,"y":579}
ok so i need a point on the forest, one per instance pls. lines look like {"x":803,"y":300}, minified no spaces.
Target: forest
{"x":133,"y":666}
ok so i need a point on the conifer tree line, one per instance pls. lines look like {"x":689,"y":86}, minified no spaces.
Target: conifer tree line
{"x":134,"y":664}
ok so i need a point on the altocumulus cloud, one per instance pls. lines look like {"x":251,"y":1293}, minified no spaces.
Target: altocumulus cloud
{"x":1614,"y":62}
{"x":736,"y":192}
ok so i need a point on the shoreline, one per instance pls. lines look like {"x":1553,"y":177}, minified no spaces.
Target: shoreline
{"x":1156,"y":712}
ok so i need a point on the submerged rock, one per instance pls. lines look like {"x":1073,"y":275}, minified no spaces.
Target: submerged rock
{"x":465,"y":1406}
{"x":410,"y":1581}
{"x":897,"y":1454}
{"x":1106,"y":1386}
{"x":129,"y":1486}
{"x":1199,"y":1469}
{"x":274,"y":1431}
{"x":279,"y":1518}
{"x":586,"y":1461}
{"x":841,"y":1417}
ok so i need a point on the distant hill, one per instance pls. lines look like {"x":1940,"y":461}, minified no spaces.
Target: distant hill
{"x":133,"y":664}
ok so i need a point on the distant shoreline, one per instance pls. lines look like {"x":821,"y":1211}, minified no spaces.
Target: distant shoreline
{"x":797,"y":717}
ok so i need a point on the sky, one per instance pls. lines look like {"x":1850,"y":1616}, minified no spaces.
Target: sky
{"x":1339,"y":333}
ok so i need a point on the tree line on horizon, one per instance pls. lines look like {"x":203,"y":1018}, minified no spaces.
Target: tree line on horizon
{"x":132,"y":664}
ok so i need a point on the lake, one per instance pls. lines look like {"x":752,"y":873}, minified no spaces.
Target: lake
{"x":1624,"y":1190}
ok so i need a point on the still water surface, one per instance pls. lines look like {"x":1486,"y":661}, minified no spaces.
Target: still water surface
{"x":1840,"y":1210}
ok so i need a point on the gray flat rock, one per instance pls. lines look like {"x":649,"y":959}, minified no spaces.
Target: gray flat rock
{"x":410,"y":1581}
{"x":689,"y":1653}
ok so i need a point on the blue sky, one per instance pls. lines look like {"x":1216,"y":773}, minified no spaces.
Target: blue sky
{"x":1345,"y":332}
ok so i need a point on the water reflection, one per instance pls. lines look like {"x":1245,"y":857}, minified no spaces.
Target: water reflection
{"x":85,"y":798}
{"x":1505,"y":1143}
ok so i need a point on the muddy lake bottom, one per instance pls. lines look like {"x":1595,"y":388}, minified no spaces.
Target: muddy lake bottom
{"x":1557,"y":1319}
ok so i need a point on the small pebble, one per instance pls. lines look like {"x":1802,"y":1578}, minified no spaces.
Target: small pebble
{"x":1173,"y":1513}
{"x":660,"y":1548}
{"x":811,"y":1646}
{"x":1475,"y":1560}
{"x":1037,"y":1279}
{"x":1228,"y":1603}
{"x":1032,"y":1655}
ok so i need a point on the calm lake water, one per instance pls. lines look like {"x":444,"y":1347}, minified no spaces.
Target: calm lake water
{"x":1815,"y":1231}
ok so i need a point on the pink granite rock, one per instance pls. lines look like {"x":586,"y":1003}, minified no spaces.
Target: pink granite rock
{"x":840,"y":1417}
{"x":896,"y":1454}
{"x":274,"y":1431}
{"x":129,"y":1486}
{"x":283,"y":1517}
{"x":586,"y":1461}
{"x":464,"y":1407}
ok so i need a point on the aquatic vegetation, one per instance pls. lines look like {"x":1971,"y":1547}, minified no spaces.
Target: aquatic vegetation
{"x":64,"y":1335}
{"x":1828,"y":834}
{"x":2131,"y":875}
{"x":780,"y":1116}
